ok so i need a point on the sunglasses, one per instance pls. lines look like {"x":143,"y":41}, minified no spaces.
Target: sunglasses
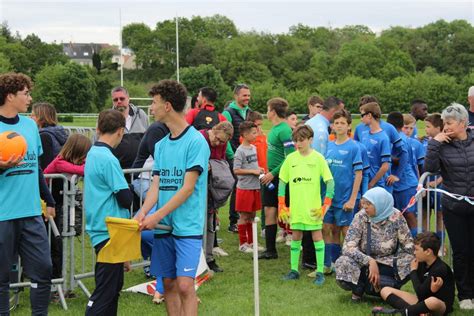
{"x":364,"y":114}
{"x":452,"y":108}
{"x":116,"y":99}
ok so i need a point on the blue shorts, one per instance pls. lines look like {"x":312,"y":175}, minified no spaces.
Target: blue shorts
{"x":338,"y":216}
{"x":402,"y":198}
{"x":175,"y":256}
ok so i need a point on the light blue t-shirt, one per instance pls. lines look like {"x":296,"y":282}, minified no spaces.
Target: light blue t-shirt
{"x":343,"y":161}
{"x":415,"y":132}
{"x":173,"y":158}
{"x":320,"y":126}
{"x":404,"y":170}
{"x":19,"y":186}
{"x":378,"y":151}
{"x":103,"y":178}
{"x":366,"y":170}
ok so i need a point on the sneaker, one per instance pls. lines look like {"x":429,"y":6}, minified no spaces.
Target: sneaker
{"x":466,"y":304}
{"x":146,"y":271}
{"x":379,"y":310}
{"x":259,"y":248}
{"x":158,"y":298}
{"x":328,"y":270}
{"x":319,"y":280}
{"x":233,"y":228}
{"x":280,"y":236}
{"x":245,"y":248}
{"x":292,"y":275}
{"x":218,"y":251}
{"x":214,"y":267}
{"x":268,"y":255}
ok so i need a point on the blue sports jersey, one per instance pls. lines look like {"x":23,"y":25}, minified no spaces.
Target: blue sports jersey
{"x":404,"y":170}
{"x":393,"y":136}
{"x":103,"y":178}
{"x":378,"y":151}
{"x":173,"y":158}
{"x":19,"y":185}
{"x":343,"y":160}
{"x":415,"y":132}
{"x":365,"y":168}
{"x":320,"y":126}
{"x":418,"y":154}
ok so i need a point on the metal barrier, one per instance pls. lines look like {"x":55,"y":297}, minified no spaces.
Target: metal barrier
{"x":87,"y":266}
{"x":71,"y":274}
{"x":90,"y":132}
{"x":424,"y":216}
{"x":52,"y":233}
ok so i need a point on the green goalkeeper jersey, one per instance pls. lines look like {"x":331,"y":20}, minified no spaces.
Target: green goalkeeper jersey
{"x":303,"y":174}
{"x":279,"y":146}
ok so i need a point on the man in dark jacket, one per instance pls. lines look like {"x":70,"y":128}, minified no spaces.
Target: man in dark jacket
{"x":136,"y":121}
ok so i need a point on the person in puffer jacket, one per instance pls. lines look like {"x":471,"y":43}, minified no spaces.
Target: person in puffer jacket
{"x":53,"y":136}
{"x":451,"y":152}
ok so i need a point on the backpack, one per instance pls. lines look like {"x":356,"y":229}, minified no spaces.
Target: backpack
{"x":221,"y":183}
{"x":206,"y":119}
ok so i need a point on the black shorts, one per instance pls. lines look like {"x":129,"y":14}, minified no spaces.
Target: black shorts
{"x":270,"y":197}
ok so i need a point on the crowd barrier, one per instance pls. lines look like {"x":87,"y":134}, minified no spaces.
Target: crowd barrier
{"x":428,"y":206}
{"x":72,"y":272}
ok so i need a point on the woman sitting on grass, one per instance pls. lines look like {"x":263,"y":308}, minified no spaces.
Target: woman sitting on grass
{"x":361,"y":267}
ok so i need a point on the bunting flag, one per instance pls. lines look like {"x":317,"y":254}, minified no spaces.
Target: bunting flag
{"x":124,"y":242}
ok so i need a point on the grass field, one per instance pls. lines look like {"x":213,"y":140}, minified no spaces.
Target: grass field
{"x":231,"y":292}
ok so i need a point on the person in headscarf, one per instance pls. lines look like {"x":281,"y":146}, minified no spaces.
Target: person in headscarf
{"x":360,"y":268}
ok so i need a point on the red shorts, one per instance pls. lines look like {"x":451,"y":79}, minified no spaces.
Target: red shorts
{"x":247,"y":200}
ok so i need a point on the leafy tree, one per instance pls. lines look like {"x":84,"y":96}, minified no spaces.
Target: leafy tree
{"x":70,"y":87}
{"x":195,"y":78}
{"x":5,"y":65}
{"x":358,"y":58}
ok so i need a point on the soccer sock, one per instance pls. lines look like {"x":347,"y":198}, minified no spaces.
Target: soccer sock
{"x":248,"y":226}
{"x":270,"y":237}
{"x":242,"y":233}
{"x":417,"y":309}
{"x":295,"y":250}
{"x":397,"y":302}
{"x":319,"y":247}
{"x":327,"y":254}
{"x":336,"y":252}
{"x":413,"y":232}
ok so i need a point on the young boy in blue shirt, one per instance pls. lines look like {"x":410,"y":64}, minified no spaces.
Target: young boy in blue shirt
{"x":362,"y":130}
{"x":106,"y":193}
{"x":377,"y":144}
{"x":403,"y":177}
{"x":345,"y":162}
{"x":22,"y":230}
{"x":179,"y":189}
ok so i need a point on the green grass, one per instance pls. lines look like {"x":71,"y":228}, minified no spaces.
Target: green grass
{"x":231,"y":292}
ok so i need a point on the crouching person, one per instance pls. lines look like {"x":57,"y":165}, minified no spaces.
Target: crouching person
{"x":378,"y":247}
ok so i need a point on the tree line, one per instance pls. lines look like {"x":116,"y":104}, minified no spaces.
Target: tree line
{"x":434,"y":62}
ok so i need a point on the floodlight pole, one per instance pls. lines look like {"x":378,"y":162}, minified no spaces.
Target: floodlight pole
{"x":120,"y":47}
{"x":177,"y":49}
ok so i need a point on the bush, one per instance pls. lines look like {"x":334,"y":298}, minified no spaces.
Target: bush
{"x":66,"y":118}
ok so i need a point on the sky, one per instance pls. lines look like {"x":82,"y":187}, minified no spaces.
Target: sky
{"x":99,"y":20}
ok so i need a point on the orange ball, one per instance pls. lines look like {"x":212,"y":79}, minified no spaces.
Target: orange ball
{"x":12,"y":144}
